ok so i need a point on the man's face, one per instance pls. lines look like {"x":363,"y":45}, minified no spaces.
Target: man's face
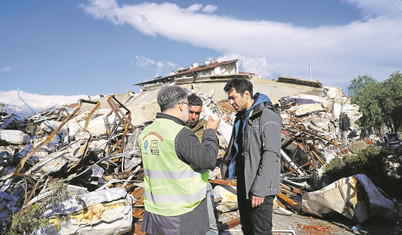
{"x":238,"y":101}
{"x":193,"y":115}
{"x":183,"y":107}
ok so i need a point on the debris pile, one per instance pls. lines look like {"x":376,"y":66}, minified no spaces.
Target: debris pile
{"x":92,"y":150}
{"x":92,"y":147}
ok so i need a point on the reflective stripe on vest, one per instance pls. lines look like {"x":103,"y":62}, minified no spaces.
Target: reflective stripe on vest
{"x":176,"y":197}
{"x":173,"y":174}
{"x":171,"y":186}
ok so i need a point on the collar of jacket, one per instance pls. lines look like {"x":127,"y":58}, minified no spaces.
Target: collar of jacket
{"x":200,"y":125}
{"x":256,"y":108}
{"x":256,"y":111}
{"x":170,"y":117}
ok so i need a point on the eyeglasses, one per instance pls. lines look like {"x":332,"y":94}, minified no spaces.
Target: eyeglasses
{"x":183,"y":103}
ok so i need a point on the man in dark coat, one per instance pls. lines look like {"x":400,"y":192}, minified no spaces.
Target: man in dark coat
{"x":344,"y":126}
{"x":253,"y":155}
{"x":31,"y":130}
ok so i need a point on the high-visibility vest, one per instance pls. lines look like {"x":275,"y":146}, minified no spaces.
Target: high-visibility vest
{"x":171,"y":186}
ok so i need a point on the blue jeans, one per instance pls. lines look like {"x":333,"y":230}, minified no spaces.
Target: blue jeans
{"x":213,"y":228}
{"x":30,"y":138}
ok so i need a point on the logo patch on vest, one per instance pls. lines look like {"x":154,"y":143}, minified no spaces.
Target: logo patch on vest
{"x":146,"y":144}
{"x":154,"y":147}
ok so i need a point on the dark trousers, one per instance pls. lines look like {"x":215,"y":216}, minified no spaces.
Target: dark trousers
{"x":258,"y":220}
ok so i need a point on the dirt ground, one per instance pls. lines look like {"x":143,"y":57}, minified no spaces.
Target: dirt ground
{"x":306,"y":224}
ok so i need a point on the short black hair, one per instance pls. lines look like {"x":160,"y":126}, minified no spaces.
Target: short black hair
{"x":194,"y":100}
{"x":240,"y":84}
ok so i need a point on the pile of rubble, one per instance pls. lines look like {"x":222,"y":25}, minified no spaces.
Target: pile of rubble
{"x":91,"y":147}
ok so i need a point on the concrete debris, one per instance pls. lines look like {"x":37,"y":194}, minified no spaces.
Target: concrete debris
{"x":300,"y":81}
{"x":107,"y":211}
{"x":13,"y":136}
{"x":355,"y":197}
{"x":304,"y":109}
{"x":11,"y":121}
{"x":92,"y":146}
{"x":225,"y":193}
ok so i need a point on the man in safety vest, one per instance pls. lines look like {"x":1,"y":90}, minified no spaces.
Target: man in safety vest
{"x":175,"y":166}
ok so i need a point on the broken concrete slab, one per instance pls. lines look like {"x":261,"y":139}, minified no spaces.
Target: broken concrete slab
{"x":106,"y":211}
{"x":304,"y":109}
{"x":13,"y":136}
{"x":355,"y":197}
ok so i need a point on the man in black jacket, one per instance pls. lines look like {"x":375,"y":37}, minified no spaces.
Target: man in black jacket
{"x":31,"y":130}
{"x":344,"y":126}
{"x":253,"y":155}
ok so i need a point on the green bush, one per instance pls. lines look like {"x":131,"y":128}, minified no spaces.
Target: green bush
{"x":59,"y":193}
{"x":370,"y":161}
{"x":29,"y":221}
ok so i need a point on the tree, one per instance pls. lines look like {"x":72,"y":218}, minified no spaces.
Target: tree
{"x":359,"y":84}
{"x":362,"y":91}
{"x":390,"y":100}
{"x":380,"y":102}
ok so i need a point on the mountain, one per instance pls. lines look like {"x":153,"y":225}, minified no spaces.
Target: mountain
{"x":13,"y":104}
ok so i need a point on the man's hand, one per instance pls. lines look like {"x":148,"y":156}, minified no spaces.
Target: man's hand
{"x":256,"y":201}
{"x":214,"y":123}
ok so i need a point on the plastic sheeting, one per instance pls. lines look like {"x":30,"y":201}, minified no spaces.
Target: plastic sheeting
{"x":355,"y":197}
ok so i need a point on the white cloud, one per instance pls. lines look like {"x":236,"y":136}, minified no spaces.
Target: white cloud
{"x":252,"y":64}
{"x":336,"y":53}
{"x":160,"y":65}
{"x":194,"y":8}
{"x":197,"y":7}
{"x":209,"y":8}
{"x":5,"y":69}
{"x":143,"y":61}
{"x":170,"y":64}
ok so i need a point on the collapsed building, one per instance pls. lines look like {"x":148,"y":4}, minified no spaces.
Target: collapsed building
{"x":91,"y":147}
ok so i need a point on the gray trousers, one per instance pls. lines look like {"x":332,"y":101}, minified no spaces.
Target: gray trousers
{"x":344,"y":135}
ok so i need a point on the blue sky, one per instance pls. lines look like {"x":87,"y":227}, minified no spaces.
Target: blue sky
{"x":79,"y":47}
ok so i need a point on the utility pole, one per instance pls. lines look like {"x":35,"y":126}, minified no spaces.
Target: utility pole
{"x":309,"y":68}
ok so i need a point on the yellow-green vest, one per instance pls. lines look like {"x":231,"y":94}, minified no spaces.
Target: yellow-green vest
{"x":171,"y":186}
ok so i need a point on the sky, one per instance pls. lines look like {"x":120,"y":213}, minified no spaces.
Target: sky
{"x":93,"y":47}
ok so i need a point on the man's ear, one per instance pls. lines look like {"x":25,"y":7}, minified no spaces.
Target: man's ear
{"x":247,"y":94}
{"x":181,"y":106}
